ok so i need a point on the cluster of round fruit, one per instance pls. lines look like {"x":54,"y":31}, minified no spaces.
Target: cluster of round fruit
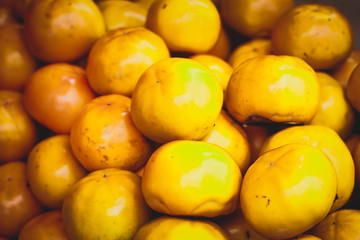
{"x":178,"y":119}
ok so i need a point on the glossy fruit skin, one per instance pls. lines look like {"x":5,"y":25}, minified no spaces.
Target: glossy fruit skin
{"x":119,"y":14}
{"x":340,"y":225}
{"x":285,"y":183}
{"x":222,"y":47}
{"x":252,"y":48}
{"x":16,"y":61}
{"x":253,"y":18}
{"x":191,"y":178}
{"x":285,"y":90}
{"x":106,"y":204}
{"x":226,"y":133}
{"x":18,"y":132}
{"x":104,"y":135}
{"x":172,"y":88}
{"x":62,"y":30}
{"x":54,"y":95}
{"x":316,"y":33}
{"x":174,"y":22}
{"x":220,"y":67}
{"x":18,"y":205}
{"x":118,"y":59}
{"x":306,"y":237}
{"x":334,"y":109}
{"x":48,"y":225}
{"x":172,"y":228}
{"x":327,"y":140}
{"x":52,"y":170}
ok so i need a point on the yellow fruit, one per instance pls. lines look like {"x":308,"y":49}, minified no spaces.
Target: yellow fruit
{"x":220,"y":68}
{"x":18,"y":132}
{"x":343,"y":72}
{"x":104,"y":135}
{"x":226,"y":133}
{"x":252,"y":48}
{"x":172,"y":228}
{"x":119,"y":14}
{"x":334,"y":109}
{"x":331,"y":144}
{"x":288,"y":190}
{"x":317,"y":33}
{"x":62,"y":30}
{"x":118,"y":59}
{"x":48,"y":225}
{"x":284,"y":90}
{"x":185,"y":25}
{"x":222,"y":46}
{"x":191,"y":178}
{"x":253,"y":18}
{"x":16,"y":61}
{"x":18,"y":205}
{"x":306,"y":237}
{"x":175,"y":99}
{"x":106,"y":204}
{"x":52,"y":170}
{"x":340,"y":225}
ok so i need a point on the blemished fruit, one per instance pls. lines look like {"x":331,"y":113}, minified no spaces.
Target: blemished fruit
{"x":285,"y":180}
{"x":106,"y":204}
{"x":179,"y":120}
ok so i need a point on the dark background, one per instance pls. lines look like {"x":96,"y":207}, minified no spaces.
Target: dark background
{"x":350,"y":8}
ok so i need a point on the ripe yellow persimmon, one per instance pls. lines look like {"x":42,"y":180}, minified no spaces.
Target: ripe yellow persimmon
{"x":236,"y":226}
{"x":185,"y":25}
{"x":226,"y":133}
{"x":340,"y":225}
{"x":16,"y":61}
{"x":352,"y":88}
{"x":55,"y":93}
{"x":220,"y":67}
{"x":222,"y":47}
{"x":175,"y":99}
{"x":104,"y":135}
{"x":334,"y":109}
{"x":252,"y":48}
{"x":119,"y":14}
{"x":343,"y":72}
{"x":288,"y":190}
{"x":106,"y":204}
{"x":273,"y":88}
{"x":48,"y":225}
{"x":253,"y":18}
{"x":18,"y":132}
{"x":61,"y":30}
{"x":327,"y":140}
{"x":18,"y":205}
{"x":191,"y":178}
{"x":118,"y":59}
{"x":172,"y":228}
{"x":52,"y":170}
{"x":317,"y":33}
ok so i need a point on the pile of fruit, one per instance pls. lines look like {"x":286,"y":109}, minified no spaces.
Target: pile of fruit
{"x":178,"y":119}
